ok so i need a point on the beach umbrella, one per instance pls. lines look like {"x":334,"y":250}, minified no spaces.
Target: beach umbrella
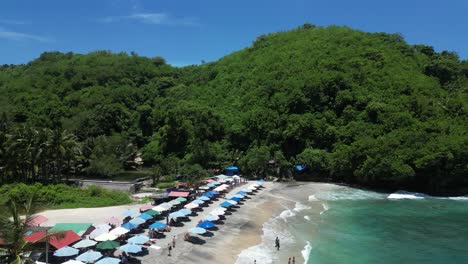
{"x":89,"y":256}
{"x":160,"y":208}
{"x":176,"y":215}
{"x":85,"y":243}
{"x":237,"y":199}
{"x":129,"y":213}
{"x":240,"y":196}
{"x":145,"y":216}
{"x":108,"y":244}
{"x":203,"y":198}
{"x":129,"y":226}
{"x":140,"y":239}
{"x":72,"y":261}
{"x":97,"y":232}
{"x":113,"y":220}
{"x":106,"y":236}
{"x":231,"y":202}
{"x":226,"y":204}
{"x":145,"y":207}
{"x":198,"y":202}
{"x":137,"y":221}
{"x":210,"y":185}
{"x":246,"y":190}
{"x":215,"y":192}
{"x":221,"y":181}
{"x":152,"y":212}
{"x":241,"y":193}
{"x":166,"y":205}
{"x":216,"y":183}
{"x":217,"y":212}
{"x":109,"y":260}
{"x":206,"y":224}
{"x":174,"y":202}
{"x":191,"y":205}
{"x":181,"y":199}
{"x":66,"y":252}
{"x":36,"y":220}
{"x":118,"y":231}
{"x":204,"y":187}
{"x":185,"y":211}
{"x":211,"y":218}
{"x":157,"y":225}
{"x":130,"y":248}
{"x":197,"y":230}
{"x":102,"y":226}
{"x":221,"y":209}
{"x":208,"y":194}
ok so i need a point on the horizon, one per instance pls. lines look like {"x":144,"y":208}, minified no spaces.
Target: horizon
{"x":187,"y":33}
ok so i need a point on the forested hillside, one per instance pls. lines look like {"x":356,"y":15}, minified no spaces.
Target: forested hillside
{"x":357,"y":107}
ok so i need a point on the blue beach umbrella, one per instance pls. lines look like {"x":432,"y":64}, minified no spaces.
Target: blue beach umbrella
{"x":198,"y":202}
{"x":109,"y":260}
{"x":226,"y":204}
{"x":215,"y":192}
{"x":129,"y":212}
{"x":210,"y":185}
{"x":211,"y":217}
{"x":66,"y":252}
{"x":206,"y":224}
{"x":85,"y":243}
{"x":137,"y":221}
{"x":185,"y":211}
{"x":241,"y":193}
{"x":235,"y":199}
{"x":157,"y":225}
{"x":203,"y":198}
{"x":197,"y":230}
{"x":89,"y":256}
{"x":240,"y":196}
{"x":216,"y":183}
{"x":140,"y":239}
{"x":145,"y":216}
{"x":130,"y":248}
{"x":129,"y":226}
{"x":208,"y":194}
{"x":176,"y":215}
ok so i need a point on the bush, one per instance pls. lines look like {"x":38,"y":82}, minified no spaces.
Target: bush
{"x":63,"y":196}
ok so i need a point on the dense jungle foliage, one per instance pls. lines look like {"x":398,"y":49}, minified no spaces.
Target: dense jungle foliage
{"x":357,"y":107}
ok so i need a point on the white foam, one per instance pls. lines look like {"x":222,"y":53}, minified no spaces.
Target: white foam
{"x":313,"y":198}
{"x":259,"y":253}
{"x":300,"y":207}
{"x":348,"y":193}
{"x":406,"y":195}
{"x":286,"y":214}
{"x":306,"y":217}
{"x":306,"y":252}
{"x":459,"y":198}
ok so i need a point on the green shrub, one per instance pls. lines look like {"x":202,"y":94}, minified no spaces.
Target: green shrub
{"x":63,"y":196}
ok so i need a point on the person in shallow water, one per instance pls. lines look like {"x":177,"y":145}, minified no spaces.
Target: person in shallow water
{"x":277,"y":243}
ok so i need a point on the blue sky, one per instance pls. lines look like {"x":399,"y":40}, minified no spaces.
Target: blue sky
{"x":186,"y":32}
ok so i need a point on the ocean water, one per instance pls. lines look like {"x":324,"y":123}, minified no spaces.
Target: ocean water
{"x":336,"y":224}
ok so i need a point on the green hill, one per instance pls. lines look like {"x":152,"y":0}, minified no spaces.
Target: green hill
{"x":357,"y":107}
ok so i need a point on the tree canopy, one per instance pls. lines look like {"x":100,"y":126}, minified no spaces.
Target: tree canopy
{"x":358,"y":107}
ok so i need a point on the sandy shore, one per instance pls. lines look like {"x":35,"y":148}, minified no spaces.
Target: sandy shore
{"x":240,"y":230}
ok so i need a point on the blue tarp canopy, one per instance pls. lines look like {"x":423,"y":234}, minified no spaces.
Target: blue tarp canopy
{"x":231,"y":170}
{"x":300,"y":167}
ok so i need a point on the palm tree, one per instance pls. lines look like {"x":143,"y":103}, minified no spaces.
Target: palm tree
{"x":12,"y":230}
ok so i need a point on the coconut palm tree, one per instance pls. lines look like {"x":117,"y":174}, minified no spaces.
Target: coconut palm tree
{"x":12,"y":230}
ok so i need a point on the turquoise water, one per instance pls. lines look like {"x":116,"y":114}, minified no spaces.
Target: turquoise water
{"x":378,"y":230}
{"x":324,"y":223}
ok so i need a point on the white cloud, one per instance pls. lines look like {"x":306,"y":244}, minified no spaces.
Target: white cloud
{"x":18,"y":36}
{"x":152,"y":18}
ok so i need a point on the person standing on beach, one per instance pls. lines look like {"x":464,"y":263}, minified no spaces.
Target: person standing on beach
{"x":294,"y":260}
{"x":173,"y":241}
{"x":169,"y":247}
{"x":277,"y":243}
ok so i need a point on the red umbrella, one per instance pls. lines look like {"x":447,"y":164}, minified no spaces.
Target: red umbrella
{"x":34,"y":237}
{"x":37,"y":220}
{"x":64,"y":239}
